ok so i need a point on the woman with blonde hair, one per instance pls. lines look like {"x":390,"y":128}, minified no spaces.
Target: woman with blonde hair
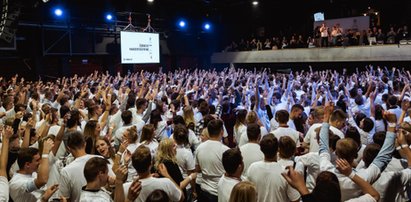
{"x":166,"y":155}
{"x":188,"y":115}
{"x":252,"y":117}
{"x":244,"y":191}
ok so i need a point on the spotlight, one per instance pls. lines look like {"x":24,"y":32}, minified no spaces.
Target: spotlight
{"x":182,"y":24}
{"x":255,"y":3}
{"x":109,"y":17}
{"x":207,"y":26}
{"x":150,"y":1}
{"x":58,"y":12}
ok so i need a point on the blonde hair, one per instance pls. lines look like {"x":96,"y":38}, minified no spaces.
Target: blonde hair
{"x":244,"y":191}
{"x":165,"y":151}
{"x":132,"y":134}
{"x":251,"y":117}
{"x":188,"y":115}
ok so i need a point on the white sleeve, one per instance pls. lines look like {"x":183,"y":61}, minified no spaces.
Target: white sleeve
{"x":4,"y":187}
{"x":292,"y":193}
{"x":64,"y":186}
{"x":172,"y":191}
{"x":190,"y":163}
{"x":363,"y":198}
{"x":325,"y":163}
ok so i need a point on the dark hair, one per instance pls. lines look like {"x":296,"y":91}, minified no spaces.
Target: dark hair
{"x":253,"y":131}
{"x":379,"y":138}
{"x":286,"y":147}
{"x":282,"y":116}
{"x":141,"y":159}
{"x":75,"y":140}
{"x":327,"y":188}
{"x":127,"y":117}
{"x":178,"y":120}
{"x":93,"y":167}
{"x":215,"y":127}
{"x":147,"y":133}
{"x":180,"y":134}
{"x":368,"y":124}
{"x":158,"y":196}
{"x":26,"y":155}
{"x":231,"y":160}
{"x":370,"y":152}
{"x":353,"y":133}
{"x":74,"y":118}
{"x":155,"y":117}
{"x":338,"y":115}
{"x":269,"y":146}
{"x":359,"y":117}
{"x":140,"y":102}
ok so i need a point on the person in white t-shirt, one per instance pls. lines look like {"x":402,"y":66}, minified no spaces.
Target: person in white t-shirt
{"x":141,"y":160}
{"x":233,"y":166}
{"x":266,"y":174}
{"x":209,"y":160}
{"x":96,"y":174}
{"x":71,"y":177}
{"x":4,"y":183}
{"x":251,"y":151}
{"x":283,"y":129}
{"x":24,"y":186}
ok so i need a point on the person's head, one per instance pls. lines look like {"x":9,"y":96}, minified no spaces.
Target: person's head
{"x":180,"y":134}
{"x":166,"y":151}
{"x":104,"y":148}
{"x":147,"y":133}
{"x":367,"y":124}
{"x":92,"y":129}
{"x":158,"y":196}
{"x":188,"y":115}
{"x":269,"y":146}
{"x":392,"y":101}
{"x":379,"y":138}
{"x":127,"y":117}
{"x":74,"y":119}
{"x":240,"y":117}
{"x":28,"y":159}
{"x":130,"y":134}
{"x":215,"y":128}
{"x":347,"y":149}
{"x":96,"y":170}
{"x":353,"y":133}
{"x":316,"y":115}
{"x":155,"y":117}
{"x":253,"y":132}
{"x":141,"y":104}
{"x":282,"y":116}
{"x":233,"y":162}
{"x":359,"y":99}
{"x":204,"y":108}
{"x":244,"y":191}
{"x":296,"y":111}
{"x":369,"y":154}
{"x":379,"y":112}
{"x":75,"y":142}
{"x":141,"y":159}
{"x":251,"y":117}
{"x":327,"y":188}
{"x":286,"y":147}
{"x":338,"y":119}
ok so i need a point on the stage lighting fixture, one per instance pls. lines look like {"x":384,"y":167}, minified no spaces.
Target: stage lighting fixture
{"x":58,"y":12}
{"x":207,"y":26}
{"x":109,"y":17}
{"x":255,"y":3}
{"x":150,"y":1}
{"x":182,"y":24}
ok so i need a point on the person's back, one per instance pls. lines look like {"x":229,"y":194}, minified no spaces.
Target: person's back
{"x":209,"y":158}
{"x":251,"y":151}
{"x":266,"y":175}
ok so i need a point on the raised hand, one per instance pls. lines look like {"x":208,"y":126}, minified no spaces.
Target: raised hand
{"x":343,"y":166}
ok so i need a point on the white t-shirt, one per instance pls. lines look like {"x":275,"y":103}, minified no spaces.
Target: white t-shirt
{"x":270,"y":184}
{"x":23,"y":188}
{"x":311,"y":163}
{"x":209,"y":155}
{"x":242,"y":129}
{"x":251,"y":153}
{"x":225,"y":186}
{"x":4,"y":187}
{"x":150,"y":184}
{"x":94,"y":196}
{"x":363,"y":198}
{"x":290,"y":132}
{"x":244,"y":137}
{"x":72,"y":177}
{"x":185,"y":160}
{"x":311,"y":136}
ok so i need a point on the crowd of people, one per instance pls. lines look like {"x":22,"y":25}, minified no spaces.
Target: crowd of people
{"x":324,"y":36}
{"x":207,"y":135}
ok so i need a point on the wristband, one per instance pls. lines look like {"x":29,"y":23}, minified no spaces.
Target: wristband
{"x":404,"y":146}
{"x":44,"y":156}
{"x":392,"y":125}
{"x":191,"y":178}
{"x":352,"y":174}
{"x":119,"y":153}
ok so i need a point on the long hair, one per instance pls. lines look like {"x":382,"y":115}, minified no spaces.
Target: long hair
{"x":188,"y":115}
{"x":240,"y":118}
{"x":90,"y":136}
{"x":165,"y":152}
{"x":110,"y":148}
{"x":244,"y":191}
{"x":147,"y":133}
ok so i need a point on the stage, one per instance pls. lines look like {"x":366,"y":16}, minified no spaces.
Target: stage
{"x":375,"y":53}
